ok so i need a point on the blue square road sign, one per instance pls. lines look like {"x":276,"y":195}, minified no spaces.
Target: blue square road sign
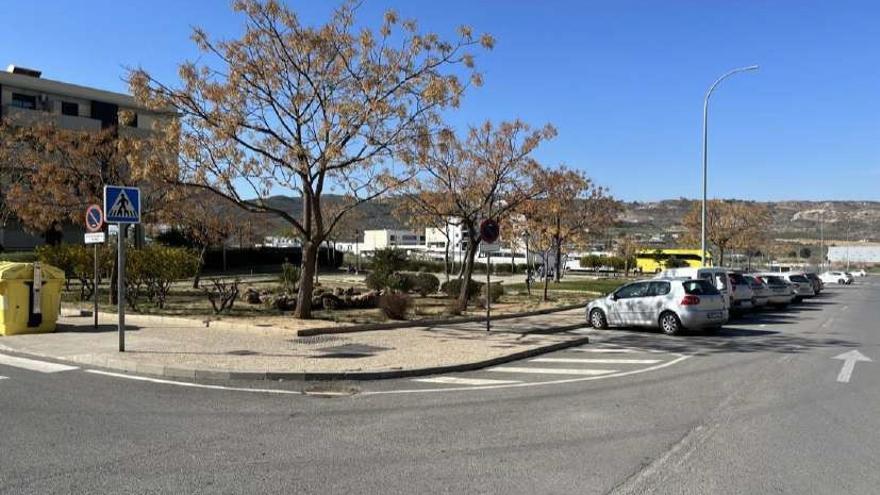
{"x":122,"y":204}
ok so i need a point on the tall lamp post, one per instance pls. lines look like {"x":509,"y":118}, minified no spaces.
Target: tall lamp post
{"x":706,"y":150}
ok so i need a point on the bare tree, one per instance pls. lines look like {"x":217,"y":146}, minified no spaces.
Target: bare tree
{"x":289,"y":108}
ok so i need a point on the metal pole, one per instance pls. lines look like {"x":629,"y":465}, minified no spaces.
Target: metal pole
{"x":706,"y":153}
{"x":120,"y":286}
{"x":96,"y":286}
{"x":488,"y":294}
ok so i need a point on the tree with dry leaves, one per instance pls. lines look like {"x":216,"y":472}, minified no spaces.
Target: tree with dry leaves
{"x":487,"y":175}
{"x":306,"y":111}
{"x":571,"y":211}
{"x":730,"y":224}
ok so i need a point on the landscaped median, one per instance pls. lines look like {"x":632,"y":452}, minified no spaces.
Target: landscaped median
{"x":189,"y":349}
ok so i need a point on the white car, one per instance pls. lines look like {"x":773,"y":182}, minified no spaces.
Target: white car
{"x":741,"y":294}
{"x":840,"y":278}
{"x":860,"y":273}
{"x":672,"y":305}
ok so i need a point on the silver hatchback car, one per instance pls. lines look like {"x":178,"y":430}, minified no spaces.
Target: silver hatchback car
{"x":670,"y":304}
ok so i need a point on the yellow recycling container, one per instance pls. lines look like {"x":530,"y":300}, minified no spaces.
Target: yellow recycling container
{"x":30,"y":297}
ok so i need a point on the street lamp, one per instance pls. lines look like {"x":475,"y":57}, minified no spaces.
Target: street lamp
{"x":706,"y":150}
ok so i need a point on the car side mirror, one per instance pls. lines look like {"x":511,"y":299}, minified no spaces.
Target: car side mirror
{"x":612,"y":296}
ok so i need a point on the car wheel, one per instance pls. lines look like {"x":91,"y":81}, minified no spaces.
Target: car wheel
{"x":840,"y":282}
{"x":597,"y":319}
{"x":669,"y":323}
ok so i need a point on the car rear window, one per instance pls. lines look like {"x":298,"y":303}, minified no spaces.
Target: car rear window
{"x":737,"y":278}
{"x":774,"y":280}
{"x":699,"y":288}
{"x":793,"y":278}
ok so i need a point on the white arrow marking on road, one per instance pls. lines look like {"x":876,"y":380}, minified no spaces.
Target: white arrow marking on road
{"x":849,"y":363}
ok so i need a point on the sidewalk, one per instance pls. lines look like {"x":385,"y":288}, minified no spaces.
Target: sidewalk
{"x":180,"y":348}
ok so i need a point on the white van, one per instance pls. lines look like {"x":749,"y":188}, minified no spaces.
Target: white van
{"x":716,"y":275}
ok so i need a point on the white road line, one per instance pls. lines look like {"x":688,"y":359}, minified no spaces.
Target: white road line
{"x":551,"y":371}
{"x":454,"y":380}
{"x":595,"y":361}
{"x":3,"y":377}
{"x":526,"y":384}
{"x":32,"y":365}
{"x":194,"y":385}
{"x":602,"y":350}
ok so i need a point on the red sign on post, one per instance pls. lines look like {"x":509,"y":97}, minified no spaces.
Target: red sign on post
{"x":94,"y":218}
{"x":489,"y":231}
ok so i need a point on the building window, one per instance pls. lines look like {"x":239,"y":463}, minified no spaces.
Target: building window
{"x":70,"y":108}
{"x":24,"y":101}
{"x":392,"y":238}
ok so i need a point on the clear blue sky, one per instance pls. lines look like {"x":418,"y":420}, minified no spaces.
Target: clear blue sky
{"x":622,"y":80}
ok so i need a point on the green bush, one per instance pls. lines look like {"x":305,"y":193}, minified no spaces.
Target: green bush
{"x":453,"y":288}
{"x":154,"y":268}
{"x":400,"y":282}
{"x":389,"y":260}
{"x":426,"y":283}
{"x":394,"y":305}
{"x":19,"y":257}
{"x":78,"y":262}
{"x":496,"y":290}
{"x":290,"y":275}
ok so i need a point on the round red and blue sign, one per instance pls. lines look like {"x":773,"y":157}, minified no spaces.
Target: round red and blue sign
{"x":489,"y":231}
{"x":94,"y":218}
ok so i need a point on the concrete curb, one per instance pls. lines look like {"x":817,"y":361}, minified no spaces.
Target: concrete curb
{"x":196,"y":375}
{"x":309,"y":332}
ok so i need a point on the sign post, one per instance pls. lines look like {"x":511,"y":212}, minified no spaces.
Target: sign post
{"x":94,"y":222}
{"x":122,"y":205}
{"x":489,"y":232}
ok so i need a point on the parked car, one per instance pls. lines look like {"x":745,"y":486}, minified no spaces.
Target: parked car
{"x":717,"y":276}
{"x":802,"y":285}
{"x":781,"y":291}
{"x":860,"y":273}
{"x":760,"y":290}
{"x":741,"y":295}
{"x":818,"y":284}
{"x":840,"y":278}
{"x":672,"y":305}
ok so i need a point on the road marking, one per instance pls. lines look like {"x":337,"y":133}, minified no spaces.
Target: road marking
{"x":526,"y":384}
{"x":844,"y":308}
{"x":849,"y":363}
{"x":193,"y":385}
{"x":828,"y":322}
{"x":595,"y":361}
{"x":3,"y":377}
{"x":32,"y":365}
{"x":454,"y":380}
{"x":551,"y":371}
{"x":603,"y":350}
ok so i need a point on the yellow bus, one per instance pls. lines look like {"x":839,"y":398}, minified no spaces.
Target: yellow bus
{"x":656,"y":260}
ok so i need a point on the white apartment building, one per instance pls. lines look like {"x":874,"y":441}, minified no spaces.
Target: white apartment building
{"x":27,"y":98}
{"x":408,"y":240}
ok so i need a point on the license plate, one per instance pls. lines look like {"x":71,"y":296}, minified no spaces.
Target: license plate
{"x":715,"y":315}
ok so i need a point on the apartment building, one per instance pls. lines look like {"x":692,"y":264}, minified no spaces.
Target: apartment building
{"x":27,"y":98}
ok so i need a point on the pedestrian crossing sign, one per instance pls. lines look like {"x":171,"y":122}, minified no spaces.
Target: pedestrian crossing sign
{"x":122,"y":204}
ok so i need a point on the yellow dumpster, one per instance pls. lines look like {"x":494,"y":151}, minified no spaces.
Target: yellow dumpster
{"x":30,"y":297}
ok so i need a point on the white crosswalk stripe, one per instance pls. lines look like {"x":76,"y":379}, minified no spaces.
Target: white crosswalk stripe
{"x":454,"y":380}
{"x":603,"y":350}
{"x":594,"y":361}
{"x":551,"y":371}
{"x":33,"y":365}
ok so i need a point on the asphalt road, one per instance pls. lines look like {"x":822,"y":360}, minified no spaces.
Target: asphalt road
{"x":760,"y":407}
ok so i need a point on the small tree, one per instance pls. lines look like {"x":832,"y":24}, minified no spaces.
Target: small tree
{"x":307,"y":111}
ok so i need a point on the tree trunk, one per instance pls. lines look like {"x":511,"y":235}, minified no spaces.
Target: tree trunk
{"x":467,"y":272}
{"x":546,"y":279}
{"x":201,"y":267}
{"x":446,"y":267}
{"x":306,"y":282}
{"x":720,"y":256}
{"x":558,"y":242}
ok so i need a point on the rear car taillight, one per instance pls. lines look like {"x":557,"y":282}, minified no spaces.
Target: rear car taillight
{"x":690,"y":300}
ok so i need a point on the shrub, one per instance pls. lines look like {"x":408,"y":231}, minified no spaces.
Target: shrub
{"x":389,"y":260}
{"x":222,"y":294}
{"x":400,"y":282}
{"x":154,"y":268}
{"x":394,"y":305}
{"x":290,"y":275}
{"x":426,"y":283}
{"x":453,"y":288}
{"x":496,"y":290}
{"x":77,"y":261}
{"x":20,"y":257}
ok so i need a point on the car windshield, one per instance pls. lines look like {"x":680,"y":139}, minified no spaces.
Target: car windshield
{"x":699,"y":288}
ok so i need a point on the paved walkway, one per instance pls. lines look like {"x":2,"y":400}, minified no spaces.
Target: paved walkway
{"x":179,"y":348}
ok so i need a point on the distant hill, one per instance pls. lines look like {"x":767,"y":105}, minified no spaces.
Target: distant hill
{"x":792,"y":220}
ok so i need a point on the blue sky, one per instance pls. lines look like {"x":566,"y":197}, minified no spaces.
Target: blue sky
{"x":623,"y":81}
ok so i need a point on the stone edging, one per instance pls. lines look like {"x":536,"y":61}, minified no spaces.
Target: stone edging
{"x":308,"y":332}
